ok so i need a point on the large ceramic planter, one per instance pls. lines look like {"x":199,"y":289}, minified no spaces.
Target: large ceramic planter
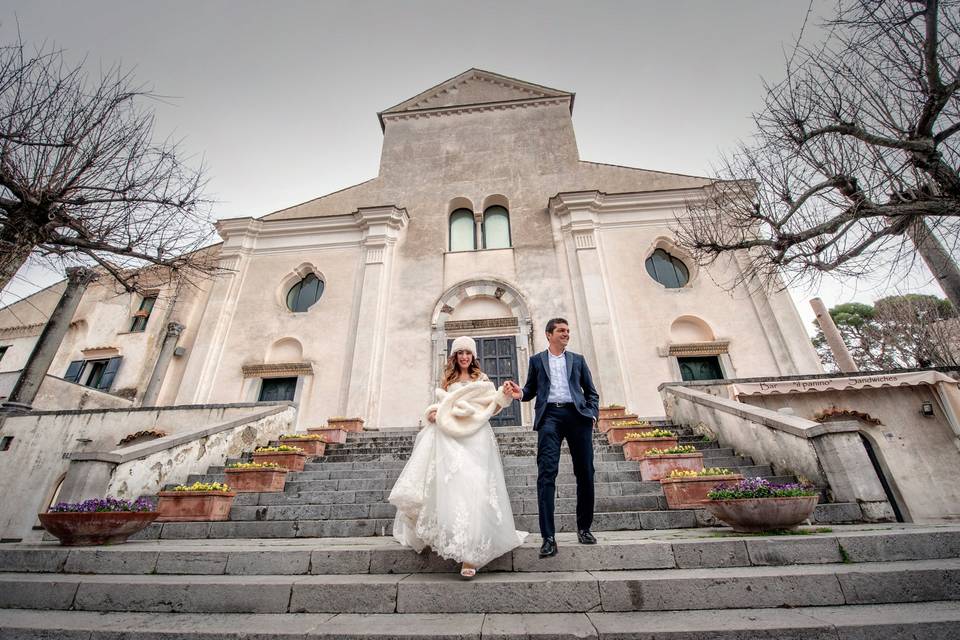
{"x":657,"y":467}
{"x":193,"y":506}
{"x":332,"y":436}
{"x":612,"y":412}
{"x":293,"y":461}
{"x":751,"y":515}
{"x":691,"y":493}
{"x":347,"y":424}
{"x":634,"y":449}
{"x":605,"y":424}
{"x":311,"y":446}
{"x":256,"y":480}
{"x":89,"y":528}
{"x":616,"y":434}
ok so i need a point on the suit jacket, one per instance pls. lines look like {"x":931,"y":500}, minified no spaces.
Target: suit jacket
{"x":585,"y":396}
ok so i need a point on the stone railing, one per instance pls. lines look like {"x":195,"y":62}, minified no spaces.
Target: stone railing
{"x":143,"y":469}
{"x":829,"y":455}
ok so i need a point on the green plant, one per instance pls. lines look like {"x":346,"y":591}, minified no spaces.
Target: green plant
{"x":679,"y":449}
{"x":303,"y":436}
{"x":712,"y":471}
{"x":283,"y":448}
{"x":613,"y":406}
{"x":759,"y":488}
{"x":656,"y":433}
{"x":203,"y":486}
{"x":254,"y":465}
{"x":631,"y":423}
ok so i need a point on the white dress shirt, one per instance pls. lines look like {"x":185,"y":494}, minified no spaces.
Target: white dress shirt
{"x":559,"y":386}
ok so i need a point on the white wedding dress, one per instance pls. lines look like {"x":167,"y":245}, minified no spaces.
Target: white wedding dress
{"x":451,"y":495}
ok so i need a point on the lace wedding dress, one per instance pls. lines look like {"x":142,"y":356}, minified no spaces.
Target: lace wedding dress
{"x":451,"y":495}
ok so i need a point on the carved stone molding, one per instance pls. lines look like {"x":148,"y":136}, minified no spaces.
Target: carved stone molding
{"x":277,"y":369}
{"x":714,"y":348}
{"x":486,"y":323}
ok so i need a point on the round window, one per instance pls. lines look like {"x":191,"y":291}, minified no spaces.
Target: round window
{"x":303,"y":294}
{"x":668,"y":270}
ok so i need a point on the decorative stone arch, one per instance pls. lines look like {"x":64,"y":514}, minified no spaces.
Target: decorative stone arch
{"x":292,"y":278}
{"x":496,"y":199}
{"x":286,"y":349}
{"x":690,"y":328}
{"x":693,"y":336}
{"x":509,"y":296}
{"x":460,"y":203}
{"x":670,"y":245}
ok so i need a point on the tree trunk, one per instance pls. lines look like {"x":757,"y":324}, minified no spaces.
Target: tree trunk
{"x":938,"y":260}
{"x":16,"y":244}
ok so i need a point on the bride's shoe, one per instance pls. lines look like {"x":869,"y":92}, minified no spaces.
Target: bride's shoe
{"x":467,"y":571}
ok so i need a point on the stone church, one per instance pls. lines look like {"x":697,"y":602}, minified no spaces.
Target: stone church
{"x":484,"y":221}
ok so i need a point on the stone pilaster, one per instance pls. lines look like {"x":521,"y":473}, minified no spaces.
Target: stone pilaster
{"x":174,"y":329}
{"x":382,"y":227}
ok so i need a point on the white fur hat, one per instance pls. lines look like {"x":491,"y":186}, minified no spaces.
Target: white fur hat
{"x":464,"y":343}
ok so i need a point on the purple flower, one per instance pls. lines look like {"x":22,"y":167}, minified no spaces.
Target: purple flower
{"x":109,"y":503}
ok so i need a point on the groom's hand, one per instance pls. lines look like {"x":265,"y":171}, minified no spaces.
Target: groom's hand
{"x":512,"y":389}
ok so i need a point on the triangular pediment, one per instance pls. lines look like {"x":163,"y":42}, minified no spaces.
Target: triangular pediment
{"x":475,"y":87}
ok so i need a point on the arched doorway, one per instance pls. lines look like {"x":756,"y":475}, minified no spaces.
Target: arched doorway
{"x":494,"y":314}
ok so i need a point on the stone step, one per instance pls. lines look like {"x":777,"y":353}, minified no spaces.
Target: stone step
{"x":613,"y":504}
{"x":759,"y":587}
{"x":926,"y":620}
{"x":615,"y":551}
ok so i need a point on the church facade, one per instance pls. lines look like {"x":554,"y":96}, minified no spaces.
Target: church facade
{"x":482,"y":221}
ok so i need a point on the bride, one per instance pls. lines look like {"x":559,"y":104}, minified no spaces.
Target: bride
{"x":451,"y":494}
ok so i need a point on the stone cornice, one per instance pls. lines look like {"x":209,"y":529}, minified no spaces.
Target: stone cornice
{"x":713,"y":348}
{"x":433,"y":112}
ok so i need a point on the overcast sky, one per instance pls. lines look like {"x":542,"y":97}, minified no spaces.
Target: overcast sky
{"x":279,"y":99}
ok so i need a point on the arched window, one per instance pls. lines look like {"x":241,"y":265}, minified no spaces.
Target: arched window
{"x":303,"y":294}
{"x":667,"y":270}
{"x":463,"y":231}
{"x":496,"y":228}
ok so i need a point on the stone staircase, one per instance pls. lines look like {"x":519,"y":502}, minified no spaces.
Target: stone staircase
{"x":344,"y":493}
{"x":853,"y":582}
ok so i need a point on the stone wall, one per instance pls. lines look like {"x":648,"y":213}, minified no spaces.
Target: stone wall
{"x":32,"y":469}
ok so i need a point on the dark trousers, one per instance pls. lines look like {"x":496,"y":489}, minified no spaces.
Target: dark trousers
{"x":559,"y":423}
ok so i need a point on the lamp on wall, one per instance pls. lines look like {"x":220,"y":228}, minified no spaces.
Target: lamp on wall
{"x":926,"y":409}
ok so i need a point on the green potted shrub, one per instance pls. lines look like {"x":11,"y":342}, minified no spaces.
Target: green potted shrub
{"x":256,"y":477}
{"x":291,"y":458}
{"x":686,"y":489}
{"x":313,"y":444}
{"x":635,"y":443}
{"x":200,"y":501}
{"x":658,"y":463}
{"x":98,"y":520}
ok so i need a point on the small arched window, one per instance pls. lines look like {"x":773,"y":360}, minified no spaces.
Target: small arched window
{"x":303,"y":294}
{"x":496,"y":228}
{"x":463,"y":232}
{"x":668,"y":270}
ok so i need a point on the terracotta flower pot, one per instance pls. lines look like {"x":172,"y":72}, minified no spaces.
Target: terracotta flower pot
{"x":187,"y":506}
{"x":604,"y":424}
{"x":657,"y":467}
{"x":750,"y":515}
{"x":100,"y":527}
{"x":312,"y":447}
{"x":691,"y":493}
{"x":634,"y":449}
{"x":338,"y":436}
{"x":347,"y":424}
{"x":616,"y":434}
{"x":292,"y":461}
{"x":256,"y":480}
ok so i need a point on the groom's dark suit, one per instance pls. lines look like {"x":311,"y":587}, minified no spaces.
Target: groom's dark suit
{"x":556,"y":421}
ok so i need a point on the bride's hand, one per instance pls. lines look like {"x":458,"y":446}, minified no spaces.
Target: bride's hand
{"x":432,"y":416}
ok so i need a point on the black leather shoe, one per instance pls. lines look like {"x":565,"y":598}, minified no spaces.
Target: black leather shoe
{"x":585,"y":537}
{"x":548,"y":548}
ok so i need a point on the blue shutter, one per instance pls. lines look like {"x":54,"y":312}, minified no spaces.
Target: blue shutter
{"x":113,"y":365}
{"x":74,"y":371}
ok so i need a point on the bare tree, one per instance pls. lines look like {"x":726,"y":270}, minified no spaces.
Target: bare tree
{"x":82,"y":181}
{"x":855,"y":163}
{"x":896,"y":332}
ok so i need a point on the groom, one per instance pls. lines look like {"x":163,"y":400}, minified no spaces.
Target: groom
{"x":567,"y":407}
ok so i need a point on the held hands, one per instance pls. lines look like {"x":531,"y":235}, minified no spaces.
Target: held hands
{"x":512,"y":389}
{"x":432,"y":416}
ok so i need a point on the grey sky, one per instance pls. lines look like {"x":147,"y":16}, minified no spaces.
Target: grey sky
{"x":280,"y":99}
